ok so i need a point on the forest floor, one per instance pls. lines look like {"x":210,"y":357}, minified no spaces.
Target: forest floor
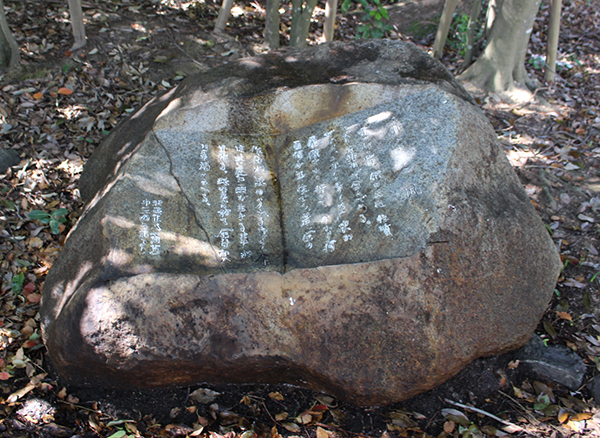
{"x":61,"y":105}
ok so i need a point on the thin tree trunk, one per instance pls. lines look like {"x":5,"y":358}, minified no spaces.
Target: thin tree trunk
{"x":8,"y":45}
{"x":329,"y":25}
{"x":272,"y":24}
{"x":301,"y":14}
{"x":77,"y":23}
{"x":223,"y":15}
{"x":475,"y":11}
{"x":553,"y":32}
{"x":442,"y":31}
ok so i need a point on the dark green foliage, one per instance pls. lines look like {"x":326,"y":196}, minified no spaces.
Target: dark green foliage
{"x":376,"y":16}
{"x":53,"y":219}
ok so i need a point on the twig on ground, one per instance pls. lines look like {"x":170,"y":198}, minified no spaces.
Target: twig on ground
{"x":487,"y":414}
{"x":73,"y":405}
{"x":179,"y":48}
{"x":534,"y":421}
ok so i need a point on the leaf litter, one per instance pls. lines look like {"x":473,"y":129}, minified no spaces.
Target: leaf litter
{"x":63,"y":104}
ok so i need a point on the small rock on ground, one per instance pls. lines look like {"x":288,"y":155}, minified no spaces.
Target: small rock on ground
{"x":553,"y":362}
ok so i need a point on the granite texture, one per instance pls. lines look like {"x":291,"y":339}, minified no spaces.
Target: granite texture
{"x":339,"y":217}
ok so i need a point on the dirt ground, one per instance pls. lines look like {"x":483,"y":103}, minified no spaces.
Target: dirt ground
{"x":138,"y":49}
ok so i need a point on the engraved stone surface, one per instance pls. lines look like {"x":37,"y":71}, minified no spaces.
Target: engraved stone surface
{"x":338,"y":217}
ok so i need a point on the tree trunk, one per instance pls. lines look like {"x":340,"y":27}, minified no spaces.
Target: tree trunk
{"x":475,"y":11}
{"x":442,"y":31}
{"x":9,"y":49}
{"x":301,"y":14}
{"x":223,"y":15}
{"x":501,"y":66}
{"x":77,"y":23}
{"x":329,"y":25}
{"x":553,"y":31}
{"x":272,"y":24}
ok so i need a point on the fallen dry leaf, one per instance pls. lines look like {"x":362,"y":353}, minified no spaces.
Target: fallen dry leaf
{"x":15,"y":396}
{"x":449,"y":426}
{"x":563,"y":415}
{"x":65,"y":91}
{"x":292,"y":427}
{"x":322,"y":433}
{"x":276,"y":396}
{"x":564,"y":315}
{"x":34,"y":298}
{"x":581,"y":416}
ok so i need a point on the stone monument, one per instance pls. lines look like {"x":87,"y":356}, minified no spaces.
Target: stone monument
{"x":339,"y":217}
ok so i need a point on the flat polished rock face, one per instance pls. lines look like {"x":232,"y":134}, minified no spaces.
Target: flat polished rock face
{"x":353,"y":232}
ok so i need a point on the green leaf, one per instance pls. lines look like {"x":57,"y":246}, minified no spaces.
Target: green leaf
{"x":346,"y":6}
{"x":384,"y":12}
{"x":118,"y":434}
{"x":377,"y":33}
{"x":39,"y":215}
{"x":542,"y":402}
{"x":12,"y":207}
{"x":54,"y":226}
{"x":23,"y":263}
{"x":563,"y":306}
{"x":59,"y":212}
{"x":549,"y":329}
{"x":17,"y":282}
{"x":587,"y":302}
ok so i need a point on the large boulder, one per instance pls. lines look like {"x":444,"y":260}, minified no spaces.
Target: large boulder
{"x":339,"y":217}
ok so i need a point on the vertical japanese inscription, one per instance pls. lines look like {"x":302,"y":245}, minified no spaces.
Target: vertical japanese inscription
{"x":227,"y":182}
{"x":241,"y":194}
{"x":150,"y":226}
{"x":301,"y":180}
{"x":339,"y":183}
{"x":352,"y":188}
{"x":260,"y":184}
{"x":204,"y":168}
{"x":224,"y":211}
{"x":349,"y":190}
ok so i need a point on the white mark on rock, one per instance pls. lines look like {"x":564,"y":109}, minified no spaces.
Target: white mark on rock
{"x":401,"y":157}
{"x":381,"y":117}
